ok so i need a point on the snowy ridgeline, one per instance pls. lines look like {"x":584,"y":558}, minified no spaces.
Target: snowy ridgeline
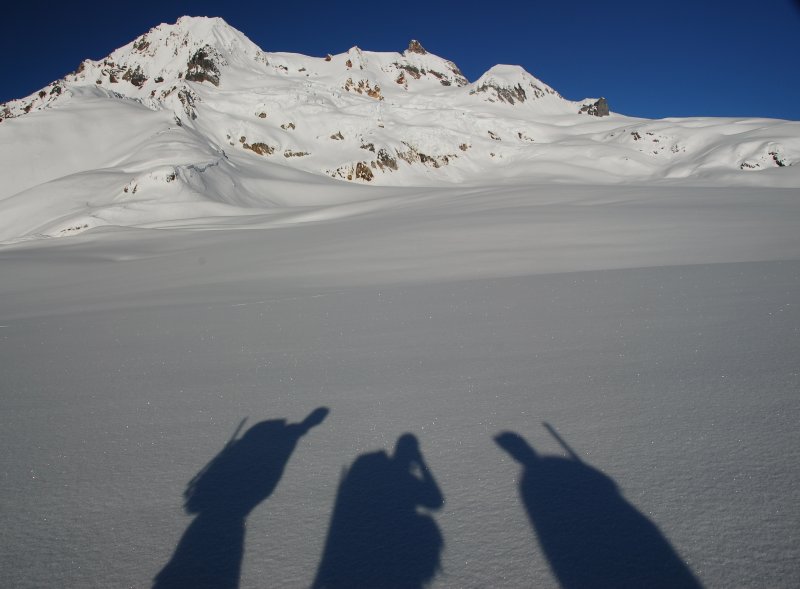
{"x":479,"y":335}
{"x":193,"y":120}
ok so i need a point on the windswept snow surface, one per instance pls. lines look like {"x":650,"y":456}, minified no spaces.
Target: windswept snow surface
{"x":657,"y":329}
{"x":645,"y":305}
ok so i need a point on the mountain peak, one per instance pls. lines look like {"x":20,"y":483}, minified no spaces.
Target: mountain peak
{"x":415,"y":46}
{"x":511,"y":84}
{"x":189,"y":21}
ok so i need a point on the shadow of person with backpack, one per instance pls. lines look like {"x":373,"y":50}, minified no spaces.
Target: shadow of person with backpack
{"x":590,"y":534}
{"x":242,"y":475}
{"x":382,"y":534}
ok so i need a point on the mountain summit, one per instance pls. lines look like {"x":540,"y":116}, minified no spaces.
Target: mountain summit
{"x":194,"y":115}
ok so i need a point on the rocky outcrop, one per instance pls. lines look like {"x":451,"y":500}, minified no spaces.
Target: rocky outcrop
{"x":202,"y":66}
{"x":455,"y":76}
{"x":414,"y":46}
{"x":363,"y":87}
{"x":597,"y":109}
{"x":259,"y":147}
{"x":412,"y":155}
{"x":135,"y":76}
{"x":385,"y":161}
{"x":772,"y":158}
{"x":363,"y":172}
{"x":290,"y":153}
{"x":189,"y":101}
{"x":508,"y":94}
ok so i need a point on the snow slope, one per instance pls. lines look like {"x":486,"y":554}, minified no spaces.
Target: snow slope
{"x":193,"y":120}
{"x":655,"y":328}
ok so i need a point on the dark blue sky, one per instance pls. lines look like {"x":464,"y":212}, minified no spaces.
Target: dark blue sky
{"x":679,"y":58}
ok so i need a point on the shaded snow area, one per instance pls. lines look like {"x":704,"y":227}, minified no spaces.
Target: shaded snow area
{"x":528,"y":386}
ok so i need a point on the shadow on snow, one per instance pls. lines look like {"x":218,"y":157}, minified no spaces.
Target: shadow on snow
{"x":381,"y":532}
{"x":222,"y":495}
{"x":590,"y":534}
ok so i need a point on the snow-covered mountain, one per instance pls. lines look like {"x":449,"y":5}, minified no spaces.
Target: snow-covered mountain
{"x":194,"y":120}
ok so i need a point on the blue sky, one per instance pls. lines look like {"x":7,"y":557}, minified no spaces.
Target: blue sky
{"x":679,"y":58}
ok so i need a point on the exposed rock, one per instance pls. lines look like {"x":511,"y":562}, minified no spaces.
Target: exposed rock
{"x":259,"y":148}
{"x":415,"y":47}
{"x":337,"y":136}
{"x":289,"y":153}
{"x":414,"y":155}
{"x":287,"y":126}
{"x":165,"y":93}
{"x":328,"y":57}
{"x":597,"y":109}
{"x":202,"y":67}
{"x":141,"y":45}
{"x":262,"y":115}
{"x":418,"y":73}
{"x":461,"y":79}
{"x":494,"y":136}
{"x":188,"y":99}
{"x":413,"y":71}
{"x":385,"y":160}
{"x":506,"y":94}
{"x":74,"y":229}
{"x":363,"y":172}
{"x":777,"y":159}
{"x":135,"y":76}
{"x":363,"y":87}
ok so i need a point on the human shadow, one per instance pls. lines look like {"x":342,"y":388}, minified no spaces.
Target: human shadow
{"x":591,"y":535}
{"x":382,"y":534}
{"x":242,"y":475}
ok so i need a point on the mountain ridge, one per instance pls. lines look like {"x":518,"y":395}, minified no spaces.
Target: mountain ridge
{"x":194,"y":120}
{"x":194,"y":49}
